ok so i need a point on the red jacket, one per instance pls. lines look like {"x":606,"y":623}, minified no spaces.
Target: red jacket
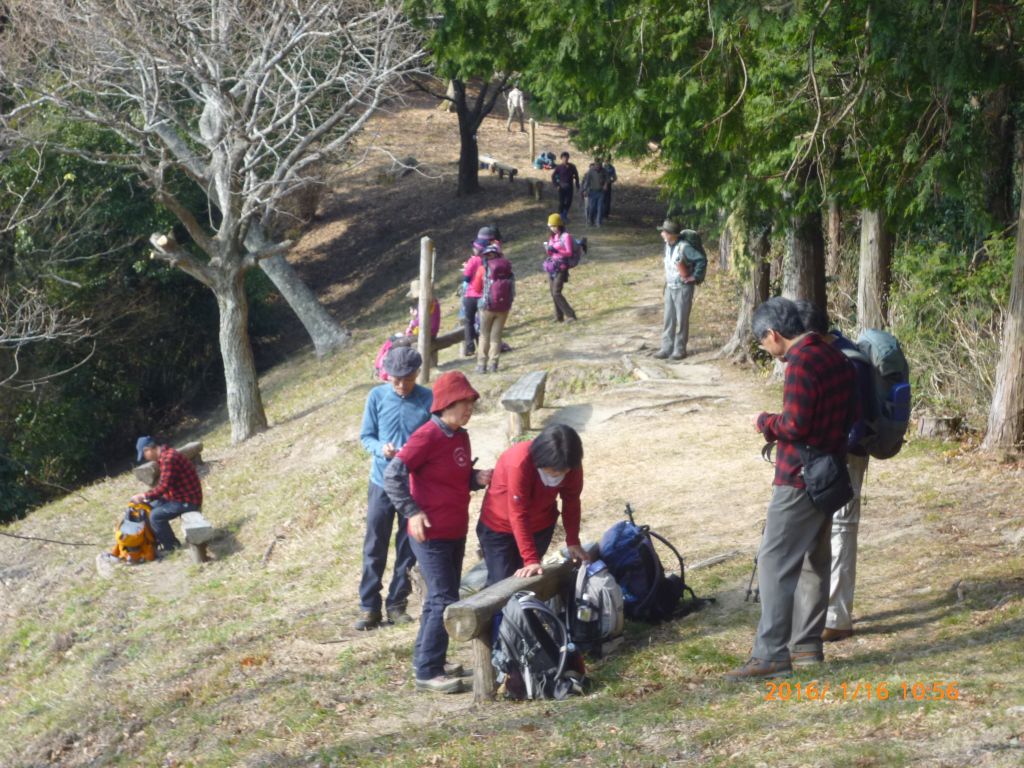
{"x":440,"y":467}
{"x":517,"y":502}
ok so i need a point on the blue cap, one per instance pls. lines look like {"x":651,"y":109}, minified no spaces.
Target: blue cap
{"x":141,"y":444}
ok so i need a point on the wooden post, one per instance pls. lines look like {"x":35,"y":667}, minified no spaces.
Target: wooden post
{"x":426,"y":301}
{"x":533,"y":139}
{"x":484,"y":684}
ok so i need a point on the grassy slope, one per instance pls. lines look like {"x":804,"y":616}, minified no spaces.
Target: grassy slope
{"x":250,"y":660}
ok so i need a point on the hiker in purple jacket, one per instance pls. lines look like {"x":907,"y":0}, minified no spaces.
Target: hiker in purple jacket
{"x":473,"y":286}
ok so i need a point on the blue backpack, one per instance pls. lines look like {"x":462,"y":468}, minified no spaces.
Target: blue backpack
{"x":887,"y":414}
{"x":648,"y":592}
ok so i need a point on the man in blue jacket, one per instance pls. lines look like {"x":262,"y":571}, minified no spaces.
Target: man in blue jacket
{"x":393,"y":412}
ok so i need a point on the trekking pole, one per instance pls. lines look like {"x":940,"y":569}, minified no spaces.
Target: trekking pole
{"x":751,"y":589}
{"x":629,"y":513}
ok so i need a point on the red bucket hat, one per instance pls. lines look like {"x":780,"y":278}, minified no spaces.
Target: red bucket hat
{"x":451,"y":387}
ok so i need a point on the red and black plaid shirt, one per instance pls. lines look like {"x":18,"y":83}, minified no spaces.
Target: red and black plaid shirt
{"x":816,"y":404}
{"x":179,"y":480}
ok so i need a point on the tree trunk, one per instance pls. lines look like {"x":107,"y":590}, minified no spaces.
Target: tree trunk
{"x":325,"y":332}
{"x":1006,"y":417}
{"x":803,"y":275}
{"x":755,"y":291}
{"x":245,"y":405}
{"x":875,"y":274}
{"x":835,"y":233}
{"x":724,"y":246}
{"x":469,"y":160}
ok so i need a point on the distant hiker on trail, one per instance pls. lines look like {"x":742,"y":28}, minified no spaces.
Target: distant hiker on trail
{"x":793,"y":560}
{"x":518,"y":516}
{"x":613,"y":177}
{"x":559,"y":248}
{"x":413,"y":328}
{"x":685,"y":265}
{"x":393,"y":412}
{"x":566,"y":179}
{"x":499,"y":291}
{"x":516,"y":107}
{"x":473,"y":287}
{"x":429,"y":482}
{"x":177,"y":491}
{"x":845,"y":522}
{"x":595,"y":180}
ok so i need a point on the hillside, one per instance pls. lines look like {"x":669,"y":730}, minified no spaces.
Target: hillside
{"x":250,"y":660}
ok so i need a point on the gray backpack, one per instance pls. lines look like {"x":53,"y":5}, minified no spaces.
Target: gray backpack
{"x":596,"y":613}
{"x":887,"y":414}
{"x":532,"y":653}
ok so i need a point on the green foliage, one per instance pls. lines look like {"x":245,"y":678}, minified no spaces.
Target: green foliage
{"x":948,"y":314}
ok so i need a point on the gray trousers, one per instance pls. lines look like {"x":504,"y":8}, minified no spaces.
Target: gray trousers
{"x":793,"y":567}
{"x":676,"y":325}
{"x":845,"y":523}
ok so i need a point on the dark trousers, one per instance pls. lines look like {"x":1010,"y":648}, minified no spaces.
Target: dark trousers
{"x":501,"y":553}
{"x":608,"y":201}
{"x":562,"y":307}
{"x":469,"y":307}
{"x":595,"y":207}
{"x":380,"y":518}
{"x":564,"y":202}
{"x":441,"y":565}
{"x":161,"y":514}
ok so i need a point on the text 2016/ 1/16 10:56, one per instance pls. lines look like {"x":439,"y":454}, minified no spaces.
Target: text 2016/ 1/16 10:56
{"x":861,"y":691}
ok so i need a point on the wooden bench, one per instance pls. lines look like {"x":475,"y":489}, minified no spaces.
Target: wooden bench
{"x":521,"y":399}
{"x":198,"y":532}
{"x":470,"y":620}
{"x":494,"y":166}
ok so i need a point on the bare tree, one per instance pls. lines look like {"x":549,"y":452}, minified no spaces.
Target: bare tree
{"x":244,"y":100}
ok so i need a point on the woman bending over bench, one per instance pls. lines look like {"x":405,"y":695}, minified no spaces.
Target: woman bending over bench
{"x":519,"y":512}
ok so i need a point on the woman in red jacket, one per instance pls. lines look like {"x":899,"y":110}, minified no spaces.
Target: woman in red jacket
{"x":519,"y":512}
{"x":429,"y":482}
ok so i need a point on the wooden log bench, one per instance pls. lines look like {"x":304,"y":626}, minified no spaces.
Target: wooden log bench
{"x":495,"y":166}
{"x":198,"y":532}
{"x":521,"y":399}
{"x":470,"y":620}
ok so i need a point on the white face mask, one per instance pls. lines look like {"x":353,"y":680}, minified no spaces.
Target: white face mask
{"x":551,"y":481}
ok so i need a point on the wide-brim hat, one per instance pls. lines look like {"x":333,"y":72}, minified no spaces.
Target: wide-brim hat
{"x":670,"y":226}
{"x":400,"y":362}
{"x":451,"y":387}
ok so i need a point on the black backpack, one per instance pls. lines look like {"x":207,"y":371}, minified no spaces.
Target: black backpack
{"x":532,"y":652}
{"x":649,"y":593}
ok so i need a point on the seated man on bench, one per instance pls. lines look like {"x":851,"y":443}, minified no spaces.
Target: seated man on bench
{"x":519,"y":512}
{"x":178,"y":490}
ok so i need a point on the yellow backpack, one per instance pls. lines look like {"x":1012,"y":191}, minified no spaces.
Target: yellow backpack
{"x":134,"y":541}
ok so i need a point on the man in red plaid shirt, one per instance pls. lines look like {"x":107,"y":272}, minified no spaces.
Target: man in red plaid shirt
{"x":795,"y":555}
{"x":177,"y":492}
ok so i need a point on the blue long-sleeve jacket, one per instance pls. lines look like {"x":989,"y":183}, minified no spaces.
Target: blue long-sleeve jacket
{"x":389,"y":418}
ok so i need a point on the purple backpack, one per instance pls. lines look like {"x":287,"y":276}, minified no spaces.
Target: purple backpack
{"x":499,"y":285}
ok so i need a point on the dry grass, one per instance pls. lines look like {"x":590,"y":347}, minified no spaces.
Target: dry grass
{"x":250,"y":660}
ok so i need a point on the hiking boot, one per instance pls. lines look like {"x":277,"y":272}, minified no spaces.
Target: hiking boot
{"x":678,"y":356}
{"x":829,"y":635}
{"x":759,"y":669}
{"x":480,"y":368}
{"x":440,"y":684}
{"x":451,"y":669}
{"x":398,"y":615}
{"x":806,"y":658}
{"x":494,"y":367}
{"x":368,"y":620}
{"x":660,"y":355}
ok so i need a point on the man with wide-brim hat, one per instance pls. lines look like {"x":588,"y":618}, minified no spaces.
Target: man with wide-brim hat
{"x":393,"y":412}
{"x":684,"y":268}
